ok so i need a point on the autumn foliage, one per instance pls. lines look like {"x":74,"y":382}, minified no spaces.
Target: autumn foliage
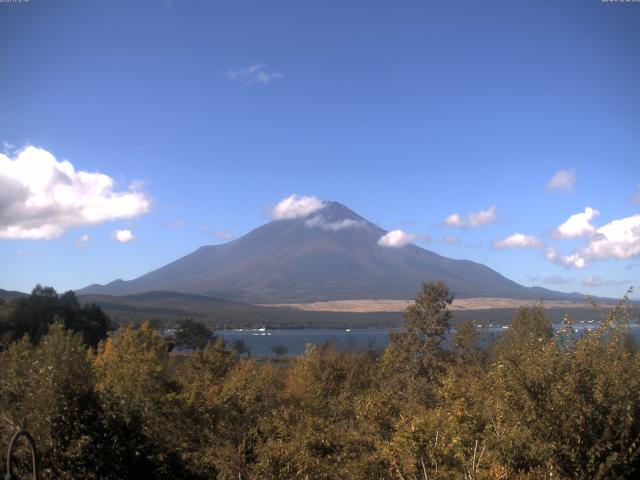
{"x":537,"y":404}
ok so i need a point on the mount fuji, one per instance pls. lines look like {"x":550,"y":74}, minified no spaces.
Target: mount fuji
{"x":330,"y":254}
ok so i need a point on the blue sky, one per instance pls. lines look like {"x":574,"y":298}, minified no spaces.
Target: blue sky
{"x":205,"y":114}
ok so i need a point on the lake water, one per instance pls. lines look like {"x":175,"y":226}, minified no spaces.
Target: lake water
{"x":262,"y":342}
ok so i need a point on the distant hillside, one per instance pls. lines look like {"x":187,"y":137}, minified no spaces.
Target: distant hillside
{"x":10,"y":294}
{"x":169,"y":307}
{"x":332,"y":254}
{"x":173,"y":306}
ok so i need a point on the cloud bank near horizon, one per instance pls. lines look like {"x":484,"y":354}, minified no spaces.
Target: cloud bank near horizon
{"x":618,"y":239}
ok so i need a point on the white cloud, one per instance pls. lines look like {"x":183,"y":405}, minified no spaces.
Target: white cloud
{"x":551,"y":254}
{"x":573,"y":260}
{"x":518,"y":240}
{"x":294,"y":206}
{"x":82,"y":240}
{"x":482,"y":217}
{"x":454,"y":220}
{"x":578,"y":225}
{"x":562,"y":180}
{"x":616,"y":239}
{"x":318,"y":221}
{"x":596,"y":281}
{"x":41,"y":197}
{"x":256,"y":73}
{"x":223,"y":235}
{"x":552,"y":279}
{"x":123,"y":236}
{"x":592,"y":281}
{"x":396,"y":239}
{"x":477,"y":219}
{"x":557,"y":280}
{"x":451,"y":239}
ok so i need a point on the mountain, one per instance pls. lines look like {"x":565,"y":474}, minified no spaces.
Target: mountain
{"x":10,"y":294}
{"x":331,"y":254}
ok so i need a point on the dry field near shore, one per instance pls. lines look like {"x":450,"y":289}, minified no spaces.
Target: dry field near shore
{"x":385,"y":305}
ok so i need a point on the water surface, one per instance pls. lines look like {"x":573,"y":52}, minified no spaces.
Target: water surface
{"x":262,"y":342}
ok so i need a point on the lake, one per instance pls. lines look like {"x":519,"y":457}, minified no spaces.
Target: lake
{"x":262,"y":341}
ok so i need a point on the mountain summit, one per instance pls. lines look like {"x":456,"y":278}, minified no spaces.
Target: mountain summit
{"x":330,"y":254}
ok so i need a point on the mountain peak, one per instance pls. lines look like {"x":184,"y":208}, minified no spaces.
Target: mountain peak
{"x":335,"y":212}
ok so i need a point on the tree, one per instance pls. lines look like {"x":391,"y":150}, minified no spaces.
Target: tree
{"x":279,"y":350}
{"x":193,"y":334}
{"x":135,"y":384}
{"x":414,"y":361}
{"x":314,"y":434}
{"x":34,"y":313}
{"x":249,"y":395}
{"x":48,"y":389}
{"x":566,"y":405}
{"x":240,"y":347}
{"x":205,"y":369}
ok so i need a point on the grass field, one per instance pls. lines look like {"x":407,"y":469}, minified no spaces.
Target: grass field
{"x":386,"y":305}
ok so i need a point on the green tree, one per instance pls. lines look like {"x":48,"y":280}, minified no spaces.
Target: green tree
{"x":414,"y":362}
{"x":193,"y":334}
{"x":33,"y":314}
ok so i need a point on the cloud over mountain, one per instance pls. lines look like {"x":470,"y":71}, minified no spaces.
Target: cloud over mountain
{"x":295,"y":206}
{"x":41,"y":197}
{"x":318,"y":221}
{"x":397,"y":239}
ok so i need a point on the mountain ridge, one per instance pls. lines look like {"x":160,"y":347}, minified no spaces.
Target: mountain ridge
{"x":330,"y":254}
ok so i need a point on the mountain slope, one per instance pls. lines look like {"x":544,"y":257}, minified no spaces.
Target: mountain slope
{"x":332,"y":254}
{"x":10,"y":294}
